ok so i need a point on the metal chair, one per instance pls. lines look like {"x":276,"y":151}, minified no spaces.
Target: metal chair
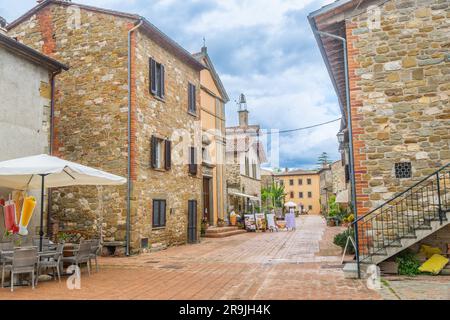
{"x":52,"y":262}
{"x":96,"y":248}
{"x":81,"y":256}
{"x":24,"y":260}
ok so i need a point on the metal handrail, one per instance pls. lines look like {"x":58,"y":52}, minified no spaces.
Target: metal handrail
{"x":401,"y":193}
{"x":387,"y":224}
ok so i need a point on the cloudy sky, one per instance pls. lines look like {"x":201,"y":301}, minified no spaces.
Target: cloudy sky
{"x":263,"y":48}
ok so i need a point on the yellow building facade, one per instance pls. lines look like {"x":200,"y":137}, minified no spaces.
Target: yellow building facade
{"x":303,"y":188}
{"x":213,"y":98}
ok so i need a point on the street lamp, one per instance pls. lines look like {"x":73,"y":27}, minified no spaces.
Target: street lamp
{"x":341,"y":137}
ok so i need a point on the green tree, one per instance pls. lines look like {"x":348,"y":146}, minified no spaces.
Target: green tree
{"x":323,"y":159}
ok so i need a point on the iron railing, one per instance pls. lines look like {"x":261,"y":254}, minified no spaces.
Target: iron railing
{"x":413,"y":209}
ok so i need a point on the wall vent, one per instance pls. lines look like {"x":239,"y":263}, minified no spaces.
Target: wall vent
{"x":403,"y":170}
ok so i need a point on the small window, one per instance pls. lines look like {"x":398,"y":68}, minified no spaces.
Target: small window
{"x":157,"y":78}
{"x":192,"y":161}
{"x":254,"y":170}
{"x":192,"y":108}
{"x":300,"y":194}
{"x":292,"y":194}
{"x":160,"y":153}
{"x":159,"y":213}
{"x":308,"y":181}
{"x":300,"y":182}
{"x":310,"y":207}
{"x":309,"y":194}
{"x":144,"y":243}
{"x":247,"y":166}
{"x":291,"y":182}
{"x":403,"y":170}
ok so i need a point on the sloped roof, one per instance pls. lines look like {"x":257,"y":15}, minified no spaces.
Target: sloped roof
{"x":30,"y":54}
{"x":154,"y":33}
{"x":297,"y":172}
{"x":203,"y":55}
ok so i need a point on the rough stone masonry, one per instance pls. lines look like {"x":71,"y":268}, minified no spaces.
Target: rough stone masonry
{"x":90,"y":121}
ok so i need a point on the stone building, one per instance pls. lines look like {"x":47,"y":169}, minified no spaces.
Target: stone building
{"x":334,"y":182}
{"x":26,"y":90}
{"x":213,"y":98}
{"x":244,"y":156}
{"x":398,"y":65}
{"x":123,"y":107}
{"x":301,"y":187}
{"x":398,"y":93}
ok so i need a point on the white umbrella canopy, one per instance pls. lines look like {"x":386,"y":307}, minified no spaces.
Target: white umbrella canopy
{"x":290,"y":204}
{"x":46,"y":171}
{"x":26,"y":173}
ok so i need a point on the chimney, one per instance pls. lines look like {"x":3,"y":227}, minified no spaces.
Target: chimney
{"x":243,"y":112}
{"x":286,"y":169}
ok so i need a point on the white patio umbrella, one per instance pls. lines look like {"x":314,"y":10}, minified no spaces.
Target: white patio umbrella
{"x":42,"y":171}
{"x":290,"y":204}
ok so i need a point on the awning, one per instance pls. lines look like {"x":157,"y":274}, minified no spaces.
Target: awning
{"x":342,"y":196}
{"x":243,"y":195}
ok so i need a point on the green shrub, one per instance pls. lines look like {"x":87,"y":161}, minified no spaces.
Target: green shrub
{"x":341,"y":239}
{"x":408,"y":264}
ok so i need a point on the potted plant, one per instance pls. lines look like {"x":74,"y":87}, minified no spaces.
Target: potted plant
{"x":221,"y":222}
{"x":204,"y":226}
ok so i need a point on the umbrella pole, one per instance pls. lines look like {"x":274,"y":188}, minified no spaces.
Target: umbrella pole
{"x":41,"y":231}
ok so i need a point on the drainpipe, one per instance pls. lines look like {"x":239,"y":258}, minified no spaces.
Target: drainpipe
{"x":129,"y":185}
{"x":350,"y":134}
{"x":52,"y":126}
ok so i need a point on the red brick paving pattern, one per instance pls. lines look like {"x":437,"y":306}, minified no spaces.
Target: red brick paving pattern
{"x":283,"y":265}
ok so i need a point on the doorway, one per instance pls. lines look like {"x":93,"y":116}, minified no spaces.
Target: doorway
{"x":207,"y":207}
{"x":192,"y":221}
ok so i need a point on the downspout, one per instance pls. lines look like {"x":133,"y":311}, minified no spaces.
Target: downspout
{"x":350,"y":134}
{"x":129,"y":184}
{"x":50,"y":151}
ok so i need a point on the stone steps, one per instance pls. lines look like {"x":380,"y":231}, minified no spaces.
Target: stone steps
{"x":222,"y":232}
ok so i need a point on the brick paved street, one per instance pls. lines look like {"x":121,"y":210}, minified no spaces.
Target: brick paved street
{"x":284,"y":265}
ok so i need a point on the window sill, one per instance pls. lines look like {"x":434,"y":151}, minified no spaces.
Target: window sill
{"x":158,"y":228}
{"x":159,"y":169}
{"x":158,"y":98}
{"x":191,"y":113}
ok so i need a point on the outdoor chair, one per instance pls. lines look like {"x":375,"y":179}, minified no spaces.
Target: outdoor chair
{"x":46,"y":243}
{"x":5,"y":246}
{"x":52,"y":262}
{"x":24,"y":260}
{"x":81,"y":256}
{"x":96,"y":248}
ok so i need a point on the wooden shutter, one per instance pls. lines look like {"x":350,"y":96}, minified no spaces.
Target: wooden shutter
{"x":189,"y":97}
{"x":167,"y":155}
{"x":152,"y":76}
{"x":162,"y":79}
{"x":156,"y":213}
{"x":162,"y":215}
{"x":153,"y":143}
{"x":192,"y":98}
{"x":192,"y":161}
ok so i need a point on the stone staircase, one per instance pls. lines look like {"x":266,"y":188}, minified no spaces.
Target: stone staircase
{"x":406,"y":219}
{"x":222,"y":232}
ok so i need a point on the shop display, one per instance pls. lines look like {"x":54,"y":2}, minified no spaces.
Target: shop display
{"x":29,"y":204}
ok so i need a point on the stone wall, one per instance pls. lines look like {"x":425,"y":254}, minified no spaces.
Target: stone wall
{"x":91,"y":123}
{"x":400,"y":86}
{"x":90,"y":109}
{"x":338,"y":177}
{"x":166,"y":119}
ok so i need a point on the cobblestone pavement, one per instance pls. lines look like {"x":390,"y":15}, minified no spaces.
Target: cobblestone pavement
{"x":282,"y":265}
{"x":416,"y":288}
